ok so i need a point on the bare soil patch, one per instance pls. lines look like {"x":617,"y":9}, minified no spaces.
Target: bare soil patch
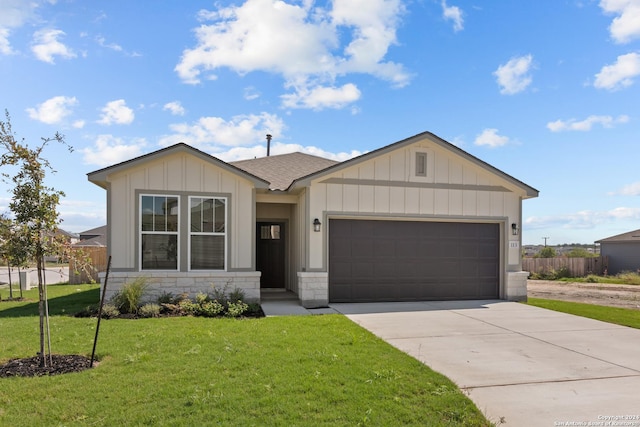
{"x":625,"y":296}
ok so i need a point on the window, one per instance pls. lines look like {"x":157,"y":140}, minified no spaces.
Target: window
{"x":159,"y":219}
{"x":207,"y":235}
{"x":421,"y":164}
{"x":270,"y":232}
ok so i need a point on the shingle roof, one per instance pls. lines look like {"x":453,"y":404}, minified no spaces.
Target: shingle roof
{"x":631,"y":236}
{"x":283,"y":169}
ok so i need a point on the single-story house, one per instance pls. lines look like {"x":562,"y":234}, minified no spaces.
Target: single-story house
{"x":623,"y":251}
{"x":419,"y":219}
{"x":95,"y":237}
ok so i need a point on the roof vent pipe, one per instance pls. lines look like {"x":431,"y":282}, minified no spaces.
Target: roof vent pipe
{"x":268,"y":144}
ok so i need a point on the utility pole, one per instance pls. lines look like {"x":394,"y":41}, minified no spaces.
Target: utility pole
{"x":545,"y":241}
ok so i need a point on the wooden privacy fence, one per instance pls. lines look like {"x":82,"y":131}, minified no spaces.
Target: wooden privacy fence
{"x":87,"y":272}
{"x":578,"y":267}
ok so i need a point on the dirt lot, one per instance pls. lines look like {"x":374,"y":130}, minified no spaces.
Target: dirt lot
{"x":627,"y":296}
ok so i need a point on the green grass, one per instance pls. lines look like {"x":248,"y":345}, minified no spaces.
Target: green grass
{"x":276,"y":371}
{"x":619,"y":316}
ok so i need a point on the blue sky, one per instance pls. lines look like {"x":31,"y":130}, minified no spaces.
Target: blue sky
{"x":547,"y":91}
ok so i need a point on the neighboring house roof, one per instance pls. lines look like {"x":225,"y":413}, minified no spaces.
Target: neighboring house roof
{"x":631,"y":236}
{"x":94,"y":232}
{"x":99,"y":177}
{"x":97,"y":241}
{"x":94,"y":237}
{"x":530,"y":191}
{"x":66,"y":234}
{"x":281,"y":170}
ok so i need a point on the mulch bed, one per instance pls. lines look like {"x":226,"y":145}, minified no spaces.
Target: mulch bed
{"x":30,"y":366}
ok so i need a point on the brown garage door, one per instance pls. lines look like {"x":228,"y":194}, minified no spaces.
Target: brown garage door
{"x":411,"y":261}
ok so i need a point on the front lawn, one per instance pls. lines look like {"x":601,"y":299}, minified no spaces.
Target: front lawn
{"x":619,"y":316}
{"x":277,"y":371}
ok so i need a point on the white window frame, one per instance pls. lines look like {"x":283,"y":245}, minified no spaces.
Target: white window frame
{"x":213,"y":233}
{"x":163,"y":233}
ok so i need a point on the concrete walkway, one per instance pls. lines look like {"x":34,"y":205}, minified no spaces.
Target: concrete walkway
{"x":278,"y":302}
{"x":521,"y":365}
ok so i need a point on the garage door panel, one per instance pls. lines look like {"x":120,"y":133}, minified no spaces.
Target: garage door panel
{"x":362,"y":248}
{"x":343,"y":269}
{"x":362,"y":270}
{"x":384,"y":248}
{"x":404,"y":261}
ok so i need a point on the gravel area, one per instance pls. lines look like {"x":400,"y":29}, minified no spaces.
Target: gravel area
{"x":626,"y":296}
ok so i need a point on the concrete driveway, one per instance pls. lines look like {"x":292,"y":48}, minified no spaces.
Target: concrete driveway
{"x":521,"y":364}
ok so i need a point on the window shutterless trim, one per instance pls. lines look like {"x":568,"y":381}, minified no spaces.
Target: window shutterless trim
{"x":142,"y":233}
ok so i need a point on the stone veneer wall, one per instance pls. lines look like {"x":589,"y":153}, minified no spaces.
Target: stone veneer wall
{"x":313,"y":289}
{"x":190,"y":282}
{"x":516,"y":286}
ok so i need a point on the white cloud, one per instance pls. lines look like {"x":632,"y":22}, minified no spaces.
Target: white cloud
{"x":490,"y":138}
{"x":175,"y":107}
{"x":211,"y":133}
{"x":319,"y":97}
{"x":46,"y":45}
{"x":243,"y":153}
{"x":14,"y":14}
{"x":78,"y":124}
{"x":250,"y":93}
{"x":53,"y":110}
{"x":628,"y":190}
{"x":583,"y":219}
{"x":115,"y":47}
{"x":586,"y":124}
{"x":116,"y":112}
{"x":626,"y":26}
{"x":513,"y":77}
{"x":620,"y":74}
{"x":300,"y":42}
{"x":5,"y":46}
{"x":80,"y":215}
{"x":108,"y":150}
{"x":453,"y":13}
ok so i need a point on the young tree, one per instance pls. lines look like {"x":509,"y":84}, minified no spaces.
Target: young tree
{"x":546,"y":252}
{"x":34,"y":206}
{"x":580,"y":253}
{"x":5,"y":246}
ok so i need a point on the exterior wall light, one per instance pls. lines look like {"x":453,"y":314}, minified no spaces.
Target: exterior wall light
{"x":316,"y":225}
{"x":514,"y":229}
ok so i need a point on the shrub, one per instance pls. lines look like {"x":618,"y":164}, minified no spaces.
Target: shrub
{"x":629,"y":277}
{"x":166,"y":298}
{"x":189,"y":307}
{"x":149,"y":310}
{"x":109,"y":311}
{"x":129,"y":298}
{"x":546,"y":252}
{"x":211,"y":309}
{"x":202,"y":298}
{"x":551,"y":274}
{"x":236,"y":295}
{"x":236,"y":309}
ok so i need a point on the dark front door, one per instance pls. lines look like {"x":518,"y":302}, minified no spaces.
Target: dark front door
{"x":270,"y":254}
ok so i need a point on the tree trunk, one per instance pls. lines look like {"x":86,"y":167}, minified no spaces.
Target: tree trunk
{"x":10,"y":287}
{"x":43,"y":362}
{"x":19,"y":271}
